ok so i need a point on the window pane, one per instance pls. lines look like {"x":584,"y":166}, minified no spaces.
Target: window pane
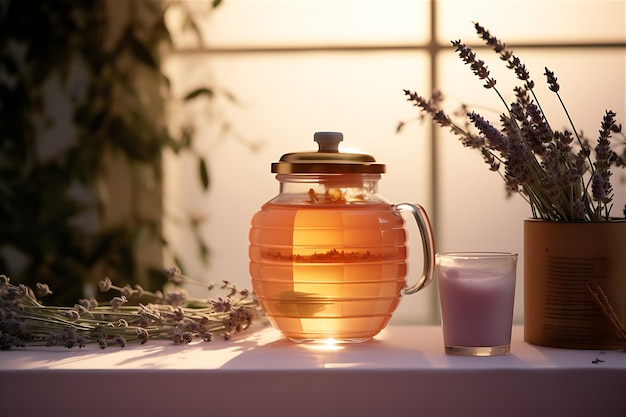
{"x":544,"y":21}
{"x":282,"y":23}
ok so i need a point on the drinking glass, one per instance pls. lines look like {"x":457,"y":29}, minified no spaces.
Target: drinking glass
{"x":476,"y":292}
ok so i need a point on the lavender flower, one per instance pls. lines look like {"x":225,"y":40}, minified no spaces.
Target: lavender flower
{"x":24,"y":321}
{"x":553,"y":85}
{"x":179,"y":337}
{"x":117,"y":302}
{"x":176,"y":298}
{"x":602,"y":191}
{"x":495,"y":43}
{"x":533,"y":127}
{"x":430,"y":107}
{"x":238,"y":320}
{"x":119,"y":340}
{"x":477,"y":65}
{"x":578,"y":209}
{"x":127,"y":291}
{"x":599,"y":187}
{"x":513,"y":61}
{"x":494,"y":138}
{"x":71,"y":314}
{"x":142,"y":335}
{"x":41,"y":290}
{"x":552,"y":170}
{"x":172,"y":272}
{"x":89,"y":304}
{"x":222,"y":305}
{"x":105,"y":284}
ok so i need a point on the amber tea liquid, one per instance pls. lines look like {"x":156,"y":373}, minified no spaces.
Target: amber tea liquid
{"x":328,"y":271}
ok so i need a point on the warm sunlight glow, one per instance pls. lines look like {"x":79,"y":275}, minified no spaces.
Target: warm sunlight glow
{"x":328,"y":345}
{"x":331,"y":343}
{"x":318,"y":22}
{"x":343,"y":365}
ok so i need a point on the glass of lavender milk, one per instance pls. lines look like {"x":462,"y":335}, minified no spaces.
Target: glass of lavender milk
{"x":476,"y":292}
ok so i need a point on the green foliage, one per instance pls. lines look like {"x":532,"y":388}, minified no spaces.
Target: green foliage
{"x":102,"y":54}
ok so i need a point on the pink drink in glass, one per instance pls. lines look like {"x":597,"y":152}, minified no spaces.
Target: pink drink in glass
{"x":477,"y":293}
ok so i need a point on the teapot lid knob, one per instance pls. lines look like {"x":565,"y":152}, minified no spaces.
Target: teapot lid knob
{"x":327,"y":160}
{"x":328,"y":141}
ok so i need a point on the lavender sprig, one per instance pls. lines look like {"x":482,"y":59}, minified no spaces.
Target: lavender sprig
{"x":602,"y":190}
{"x":556,"y":177}
{"x":171,"y":315}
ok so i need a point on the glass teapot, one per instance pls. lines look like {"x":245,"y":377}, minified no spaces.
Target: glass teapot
{"x":328,"y":253}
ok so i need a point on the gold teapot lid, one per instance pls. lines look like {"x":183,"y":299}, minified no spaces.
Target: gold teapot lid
{"x":327,"y":160}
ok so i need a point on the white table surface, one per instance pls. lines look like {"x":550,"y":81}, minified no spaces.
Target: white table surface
{"x":403,"y":371}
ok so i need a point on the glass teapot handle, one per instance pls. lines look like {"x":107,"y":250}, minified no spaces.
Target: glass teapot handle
{"x":428,"y":244}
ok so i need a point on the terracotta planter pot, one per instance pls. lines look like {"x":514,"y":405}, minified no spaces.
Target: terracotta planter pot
{"x":560,"y":258}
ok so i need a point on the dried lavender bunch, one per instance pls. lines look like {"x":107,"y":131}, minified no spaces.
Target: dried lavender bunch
{"x":170,"y":315}
{"x":552,"y":170}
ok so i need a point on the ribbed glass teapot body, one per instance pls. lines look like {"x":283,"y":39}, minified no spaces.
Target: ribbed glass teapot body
{"x":328,"y":257}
